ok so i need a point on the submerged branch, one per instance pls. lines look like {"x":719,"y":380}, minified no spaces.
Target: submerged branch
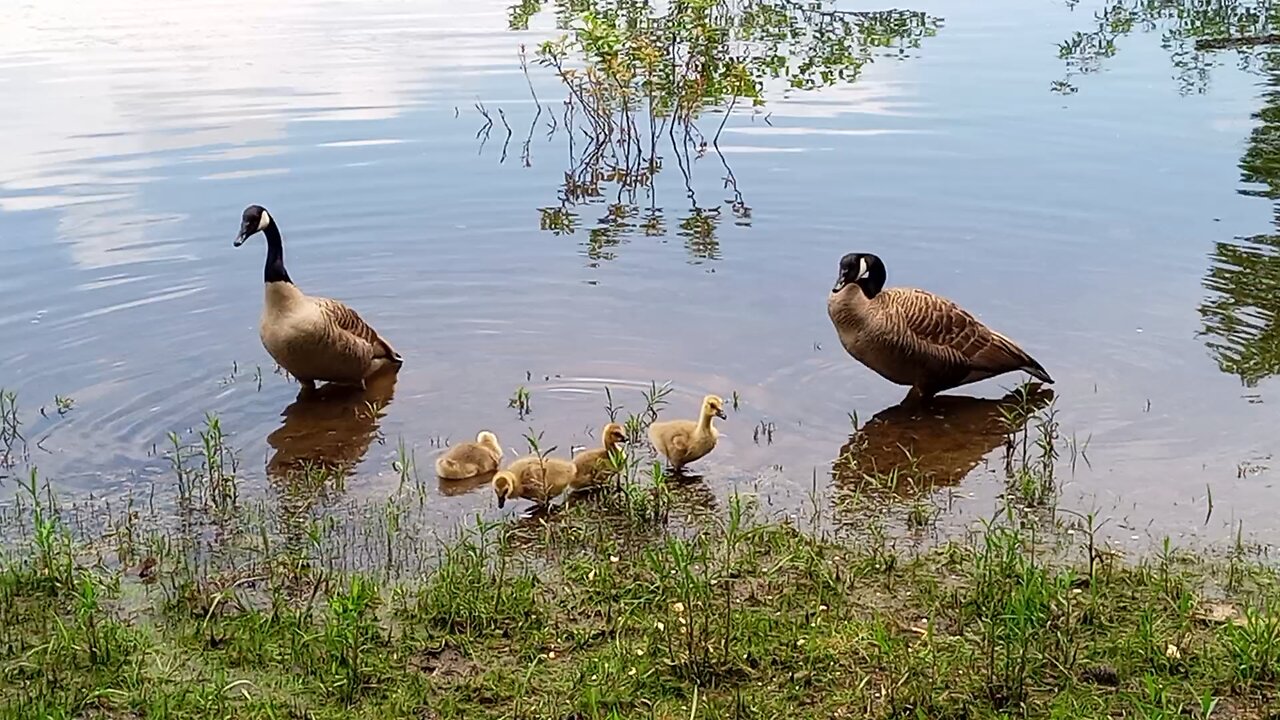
{"x":1231,"y":43}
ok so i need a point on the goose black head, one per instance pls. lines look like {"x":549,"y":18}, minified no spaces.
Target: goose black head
{"x":862,"y":269}
{"x":255,"y":220}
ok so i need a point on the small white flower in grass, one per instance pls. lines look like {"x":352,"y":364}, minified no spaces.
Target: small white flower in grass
{"x":1172,"y":652}
{"x":660,"y":626}
{"x":800,"y":642}
{"x":613,"y":558}
{"x":551,"y":655}
{"x":631,"y":671}
{"x":678,"y":607}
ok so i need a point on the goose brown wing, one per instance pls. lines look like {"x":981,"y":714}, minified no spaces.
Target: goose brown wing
{"x":944,"y":330}
{"x":349,"y":321}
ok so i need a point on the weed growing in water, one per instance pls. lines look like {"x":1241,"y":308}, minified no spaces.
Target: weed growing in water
{"x":1031,"y":451}
{"x":763,"y":431}
{"x":12,"y":443}
{"x":405,"y":465}
{"x":520,"y":402}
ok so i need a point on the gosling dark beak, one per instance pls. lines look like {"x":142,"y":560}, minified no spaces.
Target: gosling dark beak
{"x":502,"y":500}
{"x":720,"y":414}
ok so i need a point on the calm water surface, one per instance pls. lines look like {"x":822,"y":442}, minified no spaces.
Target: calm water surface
{"x":1106,"y":230}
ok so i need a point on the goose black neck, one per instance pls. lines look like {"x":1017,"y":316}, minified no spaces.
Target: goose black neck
{"x":274,"y":271}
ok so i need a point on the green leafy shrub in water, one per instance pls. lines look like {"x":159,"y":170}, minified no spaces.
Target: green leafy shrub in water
{"x":682,"y":57}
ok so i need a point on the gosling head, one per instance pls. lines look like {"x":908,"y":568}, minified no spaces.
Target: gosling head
{"x":505,"y":486}
{"x":613,"y":435}
{"x":864,"y":270}
{"x":713,"y":405}
{"x":255,"y":220}
{"x":490,"y":441}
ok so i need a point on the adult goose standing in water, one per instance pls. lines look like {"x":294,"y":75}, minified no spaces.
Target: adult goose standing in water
{"x":913,"y":337}
{"x":313,"y":338}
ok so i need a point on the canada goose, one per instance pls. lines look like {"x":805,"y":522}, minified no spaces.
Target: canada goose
{"x":594,"y":466}
{"x":313,"y":338}
{"x":469,"y":459}
{"x":913,"y":337}
{"x":684,"y":441}
{"x":534,"y":478}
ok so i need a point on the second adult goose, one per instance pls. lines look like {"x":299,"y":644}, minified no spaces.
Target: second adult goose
{"x":313,"y":338}
{"x":913,"y":337}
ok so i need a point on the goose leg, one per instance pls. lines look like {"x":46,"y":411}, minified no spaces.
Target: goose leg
{"x":913,"y":397}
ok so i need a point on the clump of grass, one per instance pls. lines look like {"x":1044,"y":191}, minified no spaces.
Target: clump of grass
{"x":1031,"y":453}
{"x":12,"y":443}
{"x":405,"y":465}
{"x":763,"y":431}
{"x":520,"y":402}
{"x":634,"y":425}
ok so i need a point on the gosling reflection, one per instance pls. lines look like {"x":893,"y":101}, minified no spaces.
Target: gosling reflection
{"x":908,"y":448}
{"x":456,"y":488}
{"x":330,"y":428}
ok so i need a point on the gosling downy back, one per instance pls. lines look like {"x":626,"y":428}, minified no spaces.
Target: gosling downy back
{"x":470,"y":459}
{"x":913,"y":337}
{"x":313,"y":338}
{"x":684,"y":441}
{"x":534,"y":478}
{"x":594,"y":465}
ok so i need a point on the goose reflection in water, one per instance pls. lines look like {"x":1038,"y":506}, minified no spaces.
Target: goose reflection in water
{"x":908,"y":448}
{"x":330,"y":428}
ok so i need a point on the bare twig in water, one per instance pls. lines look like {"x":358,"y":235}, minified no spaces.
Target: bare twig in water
{"x":488,"y":119}
{"x":524,"y":67}
{"x":483,"y":133}
{"x":1232,"y":43}
{"x":506,"y":142}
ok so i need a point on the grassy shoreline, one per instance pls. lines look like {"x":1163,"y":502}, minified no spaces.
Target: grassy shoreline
{"x":617,"y":605}
{"x":744,"y":617}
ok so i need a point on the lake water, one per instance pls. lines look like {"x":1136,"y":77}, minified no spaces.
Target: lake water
{"x":1102,"y":229}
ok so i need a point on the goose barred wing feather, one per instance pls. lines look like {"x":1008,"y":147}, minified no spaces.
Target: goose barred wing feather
{"x":940,"y":328}
{"x":350,"y":321}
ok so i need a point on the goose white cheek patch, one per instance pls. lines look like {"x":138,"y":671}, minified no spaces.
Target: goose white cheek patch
{"x":264,"y":221}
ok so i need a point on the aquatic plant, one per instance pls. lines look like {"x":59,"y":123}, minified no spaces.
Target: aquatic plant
{"x":641,"y":75}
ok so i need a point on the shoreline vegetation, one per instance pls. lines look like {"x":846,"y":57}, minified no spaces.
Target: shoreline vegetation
{"x":619,"y":604}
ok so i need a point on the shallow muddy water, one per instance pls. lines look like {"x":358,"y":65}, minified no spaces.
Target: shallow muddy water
{"x":1110,"y":231}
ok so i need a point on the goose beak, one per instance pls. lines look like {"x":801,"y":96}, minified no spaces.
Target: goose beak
{"x":246,"y":231}
{"x":502,"y":500}
{"x":838,"y":286}
{"x":720,"y":414}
